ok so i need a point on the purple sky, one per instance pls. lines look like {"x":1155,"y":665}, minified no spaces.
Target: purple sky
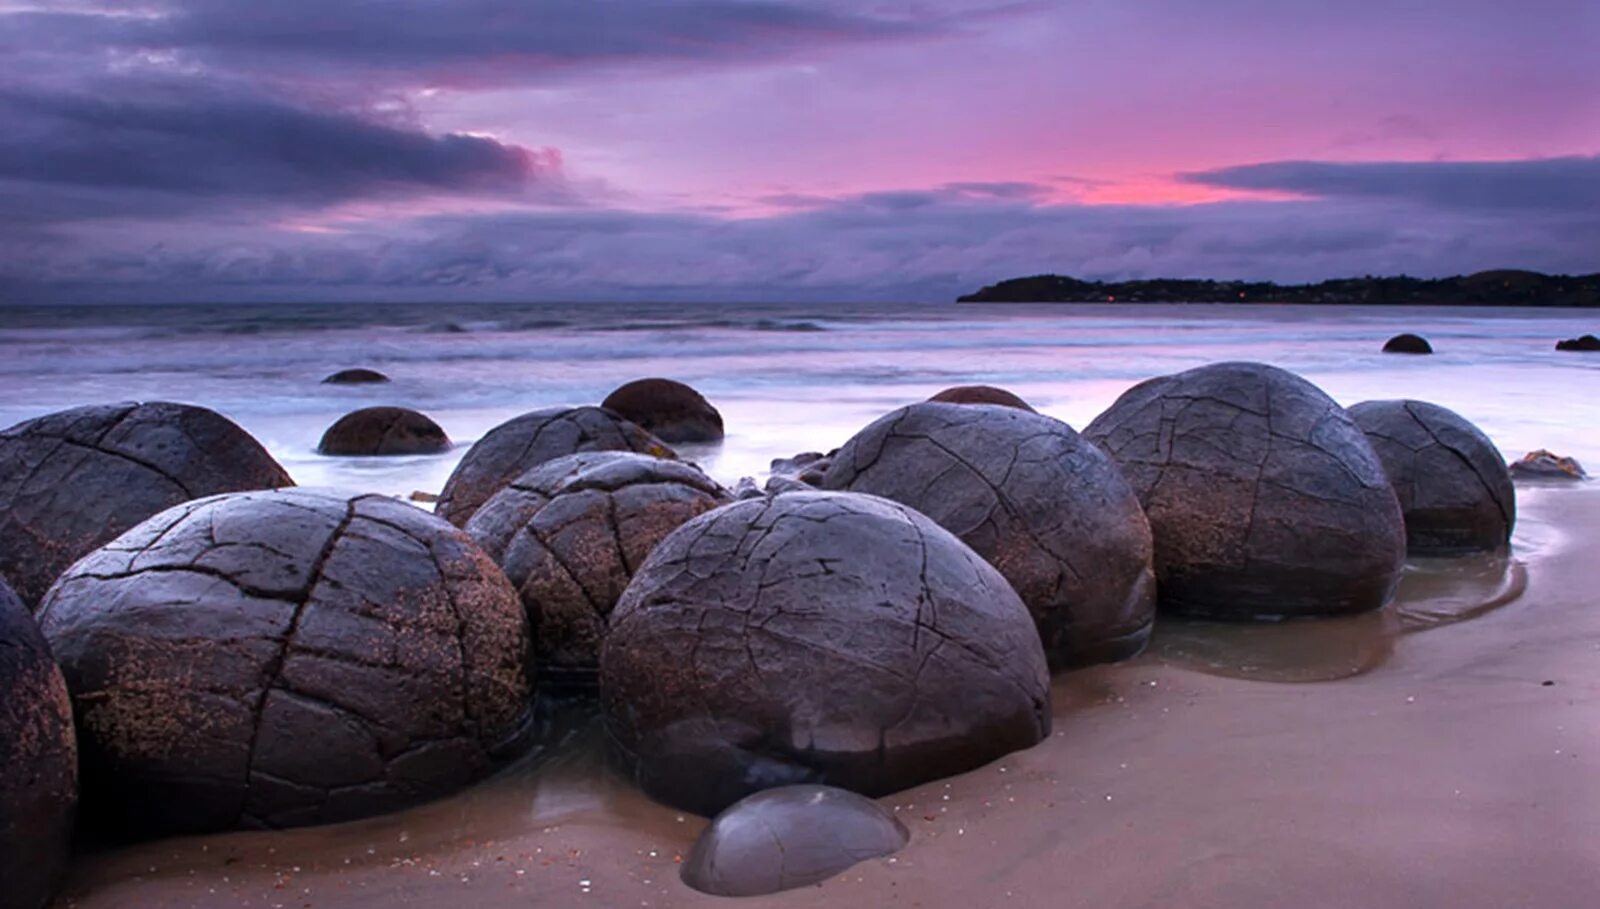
{"x":793,"y":149}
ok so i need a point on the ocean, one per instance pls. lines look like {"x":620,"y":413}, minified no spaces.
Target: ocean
{"x":787,"y":378}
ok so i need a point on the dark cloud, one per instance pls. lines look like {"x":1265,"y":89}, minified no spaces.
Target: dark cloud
{"x":1568,"y":184}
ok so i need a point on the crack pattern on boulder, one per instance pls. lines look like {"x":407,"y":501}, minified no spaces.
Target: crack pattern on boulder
{"x":569,"y":535}
{"x":816,"y":637}
{"x":1452,"y":483}
{"x":71,"y":481}
{"x":517,"y":445}
{"x":672,"y":410}
{"x":1264,"y":497}
{"x":273,"y":659}
{"x":792,"y":836}
{"x":383,"y":431}
{"x":38,"y":762}
{"x":1039,"y":502}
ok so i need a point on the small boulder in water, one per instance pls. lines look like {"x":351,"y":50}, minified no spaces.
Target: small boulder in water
{"x":1547,"y":465}
{"x":1452,"y":483}
{"x":1408,"y":344}
{"x":672,"y":410}
{"x":980,"y":394}
{"x":806,"y":468}
{"x":1585,"y":343}
{"x":383,"y":431}
{"x":355,"y":377}
{"x":789,"y":837}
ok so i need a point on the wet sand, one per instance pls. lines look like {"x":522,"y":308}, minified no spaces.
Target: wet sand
{"x":1445,"y":752}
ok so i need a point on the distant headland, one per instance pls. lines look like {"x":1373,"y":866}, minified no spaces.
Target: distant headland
{"x":1505,"y":287}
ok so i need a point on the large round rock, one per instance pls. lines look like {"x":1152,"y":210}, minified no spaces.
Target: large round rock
{"x":817,"y":637}
{"x":672,"y":410}
{"x":384,"y":431}
{"x":1033,"y":497}
{"x":1264,"y":498}
{"x":981,"y":394}
{"x":571,"y":532}
{"x":512,"y":448}
{"x":38,"y":762}
{"x":73,"y":480}
{"x":270,"y":659}
{"x":789,"y":837}
{"x":1453,"y":485}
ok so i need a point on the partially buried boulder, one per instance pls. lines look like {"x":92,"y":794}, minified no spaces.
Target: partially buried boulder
{"x":73,"y":480}
{"x":38,"y":762}
{"x":273,"y":659}
{"x":789,"y":837}
{"x":980,"y":394}
{"x":1547,"y":465}
{"x":672,"y":410}
{"x":1584,"y":343}
{"x":383,"y":431}
{"x":571,"y":532}
{"x":355,"y":377}
{"x":1452,"y":483}
{"x":515,"y":446}
{"x":1042,"y":504}
{"x":1264,"y":498}
{"x":816,"y":637}
{"x":1408,"y":344}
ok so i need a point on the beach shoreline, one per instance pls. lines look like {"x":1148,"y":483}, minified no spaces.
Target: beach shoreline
{"x":1456,"y":771}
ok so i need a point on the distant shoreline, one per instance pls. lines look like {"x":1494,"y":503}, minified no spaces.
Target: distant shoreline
{"x":1504,"y":287}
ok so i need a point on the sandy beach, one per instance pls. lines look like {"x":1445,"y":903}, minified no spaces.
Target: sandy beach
{"x":1452,"y":764}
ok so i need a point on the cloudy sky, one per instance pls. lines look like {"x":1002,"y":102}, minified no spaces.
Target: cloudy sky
{"x":782,"y":149}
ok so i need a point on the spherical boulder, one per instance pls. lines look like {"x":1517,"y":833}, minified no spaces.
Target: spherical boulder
{"x":789,"y":837}
{"x":38,"y":762}
{"x":383,"y":431}
{"x":287,"y":657}
{"x":1264,"y":498}
{"x":73,"y":480}
{"x":672,"y":410}
{"x":355,"y":377}
{"x":512,"y":448}
{"x":980,"y":394}
{"x":571,"y":532}
{"x":1408,"y":344}
{"x":816,"y":637}
{"x":1452,"y":483}
{"x":1026,"y":492}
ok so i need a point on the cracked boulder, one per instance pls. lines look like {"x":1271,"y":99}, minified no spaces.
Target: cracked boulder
{"x":1041,"y":504}
{"x":1453,"y":485}
{"x":73,"y":480}
{"x":520,"y":444}
{"x":571,"y":532}
{"x":1264,"y":497}
{"x":792,"y":836}
{"x":816,"y":637}
{"x":290,"y":657}
{"x":383,"y":431}
{"x":673,"y":411}
{"x":980,"y":394}
{"x":38,"y":762}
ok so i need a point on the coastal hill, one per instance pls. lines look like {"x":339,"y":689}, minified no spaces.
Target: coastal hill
{"x":1505,"y":287}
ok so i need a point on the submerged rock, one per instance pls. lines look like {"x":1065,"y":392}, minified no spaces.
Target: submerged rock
{"x":673,"y":411}
{"x":38,"y":762}
{"x":1264,"y":497}
{"x":789,"y":837}
{"x":383,"y":431}
{"x":1585,"y":343}
{"x":980,"y":394}
{"x":73,"y":480}
{"x":1408,"y":344}
{"x":1452,"y":483}
{"x":273,"y":659}
{"x":517,"y":445}
{"x":1039,"y":502}
{"x":355,"y":377}
{"x":817,"y":637}
{"x":571,"y":532}
{"x":1547,"y":465}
